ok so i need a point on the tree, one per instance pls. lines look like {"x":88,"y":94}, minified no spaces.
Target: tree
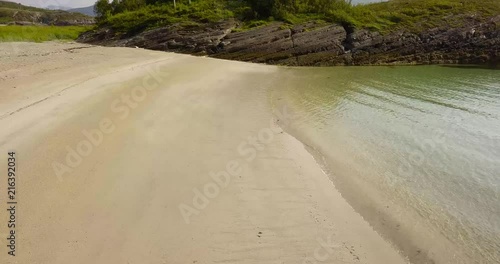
{"x":162,"y":1}
{"x":263,"y":8}
{"x":102,"y":9}
{"x":120,"y":6}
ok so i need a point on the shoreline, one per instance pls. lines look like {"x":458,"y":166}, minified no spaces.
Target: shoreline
{"x":407,"y":229}
{"x":163,"y":149}
{"x":406,"y":236}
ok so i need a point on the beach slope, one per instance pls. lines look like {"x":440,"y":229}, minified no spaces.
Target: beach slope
{"x":136,"y":156}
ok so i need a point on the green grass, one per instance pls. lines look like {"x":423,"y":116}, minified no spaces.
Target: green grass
{"x":412,"y":15}
{"x":154,"y":16}
{"x":393,"y":15}
{"x":40,"y":33}
{"x":415,"y":15}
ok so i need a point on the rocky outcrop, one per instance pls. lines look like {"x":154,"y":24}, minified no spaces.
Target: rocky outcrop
{"x":473,"y":43}
{"x":199,"y":39}
{"x":319,"y":44}
{"x":72,"y":22}
{"x":20,"y":16}
{"x":307,"y":44}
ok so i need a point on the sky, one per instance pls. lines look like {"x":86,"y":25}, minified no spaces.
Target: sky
{"x":84,"y":3}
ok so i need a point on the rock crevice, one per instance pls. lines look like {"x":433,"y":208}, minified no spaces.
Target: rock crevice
{"x":319,"y":44}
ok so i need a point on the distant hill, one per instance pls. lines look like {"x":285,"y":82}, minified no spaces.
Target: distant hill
{"x":89,"y":10}
{"x":54,"y":7}
{"x":14,"y":13}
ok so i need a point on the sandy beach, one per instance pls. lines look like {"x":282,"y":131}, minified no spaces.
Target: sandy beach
{"x":135,"y":156}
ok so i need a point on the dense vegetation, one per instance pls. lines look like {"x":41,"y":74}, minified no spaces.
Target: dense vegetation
{"x":12,"y":12}
{"x":40,"y":33}
{"x":132,"y":16}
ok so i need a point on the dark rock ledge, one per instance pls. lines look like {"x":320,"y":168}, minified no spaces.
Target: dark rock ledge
{"x":314,"y":44}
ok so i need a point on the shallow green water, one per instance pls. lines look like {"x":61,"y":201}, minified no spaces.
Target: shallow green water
{"x":424,"y":139}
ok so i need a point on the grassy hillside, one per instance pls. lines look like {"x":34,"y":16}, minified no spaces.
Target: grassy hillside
{"x":417,"y":15}
{"x":152,"y":16}
{"x":13,"y":12}
{"x":132,"y":16}
{"x":11,"y":5}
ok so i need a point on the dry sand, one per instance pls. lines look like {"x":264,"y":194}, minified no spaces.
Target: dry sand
{"x":167,"y":121}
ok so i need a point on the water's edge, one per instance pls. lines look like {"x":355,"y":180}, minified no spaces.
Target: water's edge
{"x":416,"y":240}
{"x":372,"y":212}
